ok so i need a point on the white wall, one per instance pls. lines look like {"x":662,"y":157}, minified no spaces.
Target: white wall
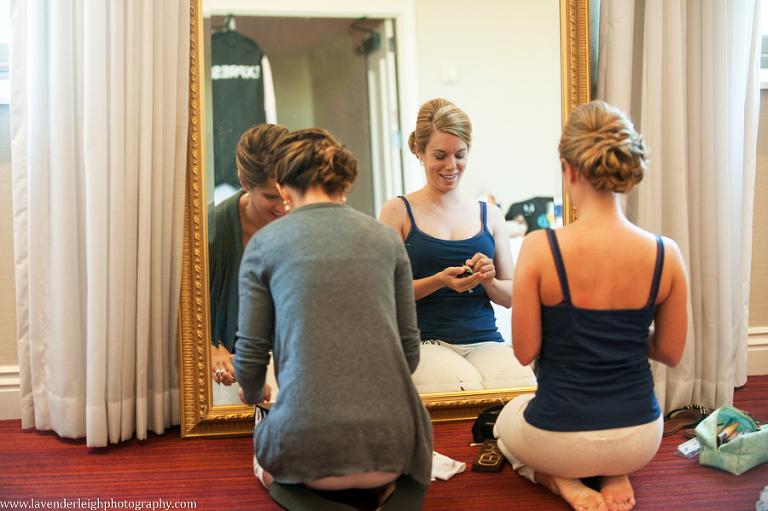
{"x":8,"y":353}
{"x":506,"y":58}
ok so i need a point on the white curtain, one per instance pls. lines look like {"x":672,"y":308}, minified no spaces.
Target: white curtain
{"x":687,"y":73}
{"x":99,"y":119}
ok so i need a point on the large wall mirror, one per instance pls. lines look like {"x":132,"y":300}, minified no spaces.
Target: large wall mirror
{"x":361,"y":69}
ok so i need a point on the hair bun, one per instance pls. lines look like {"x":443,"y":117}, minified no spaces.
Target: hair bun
{"x":601,"y":142}
{"x":312,"y":157}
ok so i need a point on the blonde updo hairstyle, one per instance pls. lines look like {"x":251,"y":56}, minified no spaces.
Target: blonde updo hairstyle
{"x":253,"y":153}
{"x":601,"y":143}
{"x":312,"y":157}
{"x":441,"y":115}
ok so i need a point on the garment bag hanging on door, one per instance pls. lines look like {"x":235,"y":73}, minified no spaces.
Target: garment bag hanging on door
{"x":241,"y":97}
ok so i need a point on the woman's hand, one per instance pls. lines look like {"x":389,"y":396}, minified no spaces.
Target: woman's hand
{"x":221,"y":365}
{"x":457,"y":279}
{"x":483,"y":265}
{"x":267,"y":394}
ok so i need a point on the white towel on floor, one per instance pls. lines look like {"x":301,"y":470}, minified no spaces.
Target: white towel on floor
{"x":444,"y":467}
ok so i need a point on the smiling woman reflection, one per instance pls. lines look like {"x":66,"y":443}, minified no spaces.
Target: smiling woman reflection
{"x":237,"y":219}
{"x":328,"y":290}
{"x":461,"y":260}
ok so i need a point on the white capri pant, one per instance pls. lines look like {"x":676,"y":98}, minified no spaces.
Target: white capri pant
{"x":573,"y":454}
{"x":445,"y":367}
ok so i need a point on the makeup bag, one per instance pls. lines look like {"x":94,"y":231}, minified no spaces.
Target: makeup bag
{"x":740,"y":453}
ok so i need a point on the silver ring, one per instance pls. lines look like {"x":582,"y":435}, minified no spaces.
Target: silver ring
{"x":218,"y":372}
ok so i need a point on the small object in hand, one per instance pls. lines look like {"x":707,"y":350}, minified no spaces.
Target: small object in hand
{"x":490,"y":458}
{"x":467,"y":272}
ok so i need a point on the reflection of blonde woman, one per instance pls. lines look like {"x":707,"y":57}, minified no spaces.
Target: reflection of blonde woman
{"x":443,"y":231}
{"x":237,"y":218}
{"x":584,"y":299}
{"x":328,"y":290}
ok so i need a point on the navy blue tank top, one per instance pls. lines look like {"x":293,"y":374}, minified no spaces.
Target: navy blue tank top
{"x":593,"y":367}
{"x":456,"y":318}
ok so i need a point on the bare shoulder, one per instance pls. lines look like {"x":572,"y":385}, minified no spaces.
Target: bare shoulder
{"x":393,"y":208}
{"x":394,"y":214}
{"x":495,"y":212}
{"x":534,"y":244}
{"x":672,"y":254}
{"x":670,"y":244}
{"x":496,"y":217}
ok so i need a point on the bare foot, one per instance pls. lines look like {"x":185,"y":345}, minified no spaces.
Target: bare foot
{"x":573,"y":491}
{"x":263,"y":476}
{"x":618,"y":493}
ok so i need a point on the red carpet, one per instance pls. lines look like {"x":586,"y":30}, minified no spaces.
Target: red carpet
{"x":216,"y":474}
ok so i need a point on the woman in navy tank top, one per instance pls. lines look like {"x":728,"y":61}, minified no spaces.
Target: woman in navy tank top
{"x":585,"y":299}
{"x":461,"y":262}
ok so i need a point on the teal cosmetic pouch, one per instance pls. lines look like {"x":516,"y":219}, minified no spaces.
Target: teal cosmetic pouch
{"x":746,"y":448}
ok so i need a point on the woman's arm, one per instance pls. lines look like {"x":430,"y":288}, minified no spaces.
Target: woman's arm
{"x":526,"y":299}
{"x":666,"y":339}
{"x":499,"y":272}
{"x":255,"y":332}
{"x":407,"y":326}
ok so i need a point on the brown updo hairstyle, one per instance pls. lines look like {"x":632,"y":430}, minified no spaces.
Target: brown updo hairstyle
{"x":312,"y":157}
{"x":441,"y":115}
{"x":600,"y":141}
{"x":253,"y":153}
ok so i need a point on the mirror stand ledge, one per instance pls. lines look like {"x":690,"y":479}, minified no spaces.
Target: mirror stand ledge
{"x":199,"y":416}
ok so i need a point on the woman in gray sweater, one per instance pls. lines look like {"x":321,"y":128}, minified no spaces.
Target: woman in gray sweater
{"x":329,"y":291}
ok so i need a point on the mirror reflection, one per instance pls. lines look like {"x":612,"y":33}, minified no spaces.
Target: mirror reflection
{"x":340,"y":74}
{"x":461,"y":262}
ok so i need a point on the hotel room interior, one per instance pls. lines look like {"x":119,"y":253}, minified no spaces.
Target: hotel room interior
{"x":105,"y":389}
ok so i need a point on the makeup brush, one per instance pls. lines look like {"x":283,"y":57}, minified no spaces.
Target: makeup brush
{"x":727,"y":431}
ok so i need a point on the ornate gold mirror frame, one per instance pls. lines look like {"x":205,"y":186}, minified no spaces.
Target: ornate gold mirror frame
{"x":198,"y":416}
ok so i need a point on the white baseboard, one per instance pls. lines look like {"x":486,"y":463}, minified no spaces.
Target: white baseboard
{"x":757,"y":358}
{"x":10,"y":391}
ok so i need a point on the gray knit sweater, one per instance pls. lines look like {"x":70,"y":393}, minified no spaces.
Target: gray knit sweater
{"x":335,"y":287}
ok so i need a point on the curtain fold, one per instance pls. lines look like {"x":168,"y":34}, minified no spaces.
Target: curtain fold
{"x":99,"y":115}
{"x":687,"y":72}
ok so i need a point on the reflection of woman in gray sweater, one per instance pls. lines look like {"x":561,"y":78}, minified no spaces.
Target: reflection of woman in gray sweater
{"x":329,"y":290}
{"x":236,"y":219}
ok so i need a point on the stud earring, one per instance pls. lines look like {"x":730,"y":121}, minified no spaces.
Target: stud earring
{"x":287,"y":205}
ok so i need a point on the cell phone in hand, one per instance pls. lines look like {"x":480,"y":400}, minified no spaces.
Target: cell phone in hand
{"x":467,"y":272}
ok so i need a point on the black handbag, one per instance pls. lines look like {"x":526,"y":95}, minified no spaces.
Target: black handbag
{"x":482,"y":429}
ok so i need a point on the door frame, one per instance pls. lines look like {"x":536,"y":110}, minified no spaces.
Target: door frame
{"x":400,"y":11}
